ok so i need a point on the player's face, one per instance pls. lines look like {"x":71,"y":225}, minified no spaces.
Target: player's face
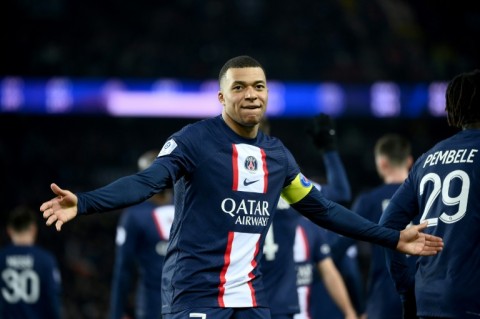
{"x":244,"y":95}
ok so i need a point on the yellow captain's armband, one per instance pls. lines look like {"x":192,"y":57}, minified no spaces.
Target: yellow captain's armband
{"x":297,"y":189}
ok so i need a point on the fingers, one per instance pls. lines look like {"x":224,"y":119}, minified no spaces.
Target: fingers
{"x":57,"y":190}
{"x":58,"y":225}
{"x":46,"y":206}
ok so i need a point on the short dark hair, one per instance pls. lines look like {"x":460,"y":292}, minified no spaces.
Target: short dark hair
{"x":20,"y":218}
{"x":395,"y":147}
{"x":242,"y":61}
{"x":463,"y":99}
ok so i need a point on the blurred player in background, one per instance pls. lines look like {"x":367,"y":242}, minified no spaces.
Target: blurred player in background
{"x":30,"y":284}
{"x":442,"y":188}
{"x":393,"y":160}
{"x":142,"y":239}
{"x":323,"y":132}
{"x":228,"y":177}
{"x":281,"y":273}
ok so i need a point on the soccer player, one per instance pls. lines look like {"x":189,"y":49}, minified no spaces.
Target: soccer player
{"x":393,"y":160}
{"x":228,"y":178}
{"x":142,"y":239}
{"x":442,"y":188}
{"x":29,"y":277}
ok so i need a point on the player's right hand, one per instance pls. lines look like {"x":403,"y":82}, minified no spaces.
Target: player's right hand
{"x":61,"y":208}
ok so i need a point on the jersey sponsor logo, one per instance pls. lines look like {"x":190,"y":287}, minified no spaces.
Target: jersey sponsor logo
{"x":247,"y":212}
{"x":168,"y":148}
{"x":246,"y":182}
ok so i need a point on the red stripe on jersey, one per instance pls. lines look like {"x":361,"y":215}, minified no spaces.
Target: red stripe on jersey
{"x":251,"y":275}
{"x":309,"y":315}
{"x":265,"y":171}
{"x":235,"y":167}
{"x":226,"y":259}
{"x":157,"y":224}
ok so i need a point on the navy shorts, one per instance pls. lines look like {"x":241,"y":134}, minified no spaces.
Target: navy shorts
{"x":220,"y":313}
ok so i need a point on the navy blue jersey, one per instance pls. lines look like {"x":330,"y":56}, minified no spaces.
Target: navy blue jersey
{"x":29,"y":283}
{"x":383,"y":300}
{"x":226,"y":191}
{"x":142,"y":239}
{"x":442,"y":188}
{"x":310,"y":249}
{"x":277,"y":265}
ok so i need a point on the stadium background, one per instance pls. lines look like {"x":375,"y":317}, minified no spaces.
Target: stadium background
{"x":344,"y":41}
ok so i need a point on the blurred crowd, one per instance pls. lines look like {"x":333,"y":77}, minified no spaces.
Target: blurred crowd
{"x":304,"y":40}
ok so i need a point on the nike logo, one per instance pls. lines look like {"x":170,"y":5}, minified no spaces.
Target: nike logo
{"x":246,"y":182}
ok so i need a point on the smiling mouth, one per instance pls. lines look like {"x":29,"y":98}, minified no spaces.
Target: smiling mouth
{"x":251,"y":107}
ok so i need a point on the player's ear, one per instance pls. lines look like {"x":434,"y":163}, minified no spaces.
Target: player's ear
{"x":409,"y":161}
{"x":221,"y":98}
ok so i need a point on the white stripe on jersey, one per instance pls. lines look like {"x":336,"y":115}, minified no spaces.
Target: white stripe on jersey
{"x":250,"y":172}
{"x":235,"y":286}
{"x":301,"y":250}
{"x":163,"y":217}
{"x":303,"y":300}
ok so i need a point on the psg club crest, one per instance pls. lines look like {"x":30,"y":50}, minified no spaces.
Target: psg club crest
{"x":251,"y":164}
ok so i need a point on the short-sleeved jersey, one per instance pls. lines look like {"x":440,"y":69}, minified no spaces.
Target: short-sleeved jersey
{"x":383,"y":300}
{"x":30,"y":284}
{"x":310,"y":249}
{"x":443,"y":188}
{"x":141,"y":246}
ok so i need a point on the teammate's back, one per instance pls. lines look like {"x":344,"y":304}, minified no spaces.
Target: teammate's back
{"x":443,"y":188}
{"x":30,"y":280}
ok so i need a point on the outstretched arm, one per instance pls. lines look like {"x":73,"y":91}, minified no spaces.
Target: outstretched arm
{"x":121,"y":193}
{"x":337,"y":218}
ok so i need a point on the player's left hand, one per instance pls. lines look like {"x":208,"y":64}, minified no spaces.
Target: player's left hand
{"x":413,"y":242}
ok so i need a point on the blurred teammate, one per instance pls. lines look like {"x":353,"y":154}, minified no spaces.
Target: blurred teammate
{"x":323,"y":133}
{"x":442,"y":188}
{"x":279,"y":270}
{"x":142,"y":239}
{"x":228,"y":178}
{"x":29,"y":277}
{"x":312,"y":251}
{"x":393,"y":160}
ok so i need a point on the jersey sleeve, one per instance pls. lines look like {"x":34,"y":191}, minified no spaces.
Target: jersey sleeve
{"x":173,"y":161}
{"x":325,"y":213}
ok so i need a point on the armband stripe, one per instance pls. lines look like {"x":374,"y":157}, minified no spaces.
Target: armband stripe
{"x":298,"y":189}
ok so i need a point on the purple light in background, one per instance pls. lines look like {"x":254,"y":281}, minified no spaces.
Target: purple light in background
{"x":58,"y":96}
{"x":385,"y":99}
{"x":331,"y":98}
{"x":436,"y":98}
{"x":170,"y":104}
{"x":12,"y":94}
